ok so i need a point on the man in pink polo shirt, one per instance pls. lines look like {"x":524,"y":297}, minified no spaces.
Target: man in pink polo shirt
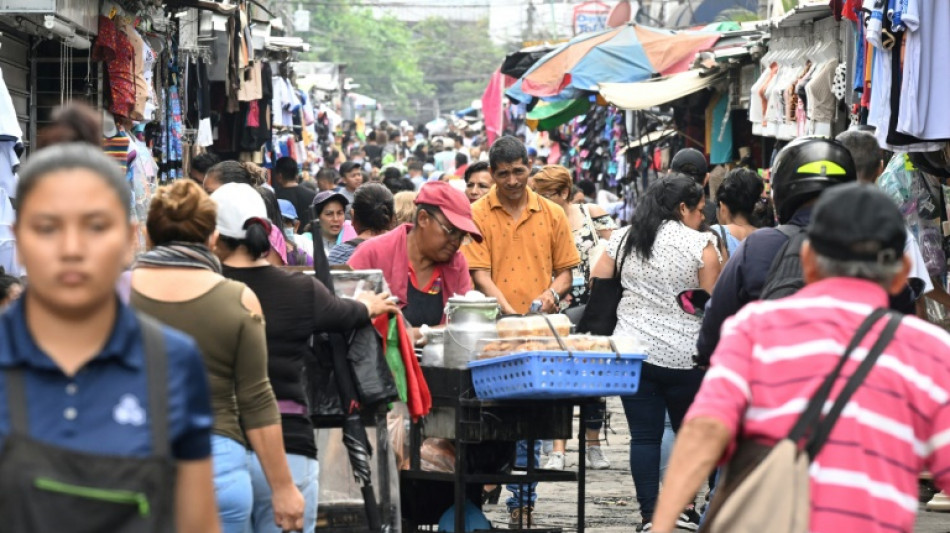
{"x":774,"y":355}
{"x":421,"y":262}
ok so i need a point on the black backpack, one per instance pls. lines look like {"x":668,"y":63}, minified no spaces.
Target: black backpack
{"x":785,"y":275}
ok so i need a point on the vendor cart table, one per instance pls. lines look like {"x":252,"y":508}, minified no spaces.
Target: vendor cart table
{"x":458,"y":414}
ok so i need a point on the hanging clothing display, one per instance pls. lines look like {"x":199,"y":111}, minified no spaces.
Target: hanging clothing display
{"x":719,"y":130}
{"x":900,"y":55}
{"x":924,"y":108}
{"x":113,"y":47}
{"x":125,"y":26}
{"x":118,"y":148}
{"x":10,"y":146}
{"x":794,"y":94}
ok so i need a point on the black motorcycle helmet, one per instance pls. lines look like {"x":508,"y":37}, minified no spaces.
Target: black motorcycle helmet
{"x":804,"y":169}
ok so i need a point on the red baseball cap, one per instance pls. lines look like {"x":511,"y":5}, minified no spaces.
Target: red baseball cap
{"x":453,"y":204}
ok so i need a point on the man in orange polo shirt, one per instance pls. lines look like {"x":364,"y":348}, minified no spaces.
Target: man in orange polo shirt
{"x":527,"y":253}
{"x":528,"y":250}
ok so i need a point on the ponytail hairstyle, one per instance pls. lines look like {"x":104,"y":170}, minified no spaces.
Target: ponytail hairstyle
{"x":659,"y":204}
{"x":741,"y":191}
{"x":273,"y":207}
{"x":373,"y":208}
{"x":257,"y":240}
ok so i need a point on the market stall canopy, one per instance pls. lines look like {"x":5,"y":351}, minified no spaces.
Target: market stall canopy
{"x":718,"y":10}
{"x":286,"y":43}
{"x":549,"y":115}
{"x":647,"y":94}
{"x":626,"y":54}
{"x":517,"y":63}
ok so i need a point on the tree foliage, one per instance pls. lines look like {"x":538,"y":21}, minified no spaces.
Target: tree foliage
{"x":406,"y":67}
{"x":457,"y":58}
{"x":378,"y":52}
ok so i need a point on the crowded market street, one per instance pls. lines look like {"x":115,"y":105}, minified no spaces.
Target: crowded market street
{"x":398,"y":266}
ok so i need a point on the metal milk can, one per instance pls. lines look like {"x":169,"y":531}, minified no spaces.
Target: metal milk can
{"x":468,"y":321}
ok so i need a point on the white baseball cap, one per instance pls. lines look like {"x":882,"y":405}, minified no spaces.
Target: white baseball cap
{"x":237,"y":204}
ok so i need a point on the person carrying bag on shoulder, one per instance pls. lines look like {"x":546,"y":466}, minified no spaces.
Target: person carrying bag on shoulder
{"x":813,"y":401}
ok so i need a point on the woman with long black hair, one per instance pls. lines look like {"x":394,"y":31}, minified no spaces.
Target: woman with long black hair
{"x":661,"y":253}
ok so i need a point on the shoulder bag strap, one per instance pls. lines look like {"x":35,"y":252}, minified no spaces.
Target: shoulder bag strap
{"x":16,"y":401}
{"x":821,"y":434}
{"x":590,"y":223}
{"x":621,"y":253}
{"x":156,"y":364}
{"x":723,"y":245}
{"x":812,"y":414}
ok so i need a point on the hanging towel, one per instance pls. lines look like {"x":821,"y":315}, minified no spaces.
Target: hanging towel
{"x":418,"y":398}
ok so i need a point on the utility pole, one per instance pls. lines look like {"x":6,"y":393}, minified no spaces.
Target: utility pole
{"x":763,"y":9}
{"x":529,"y":34}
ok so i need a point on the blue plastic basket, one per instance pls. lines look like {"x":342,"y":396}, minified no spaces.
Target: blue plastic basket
{"x":544,"y":375}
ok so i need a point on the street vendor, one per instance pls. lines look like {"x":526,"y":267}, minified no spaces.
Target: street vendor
{"x":428,"y":251}
{"x":528,"y":253}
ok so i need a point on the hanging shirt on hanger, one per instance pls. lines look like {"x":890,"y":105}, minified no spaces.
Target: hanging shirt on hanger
{"x":119,"y":148}
{"x":251,"y":83}
{"x":822,"y":99}
{"x":138,"y":68}
{"x":925,"y":108}
{"x":8,"y":258}
{"x":9,"y":124}
{"x":114,"y":48}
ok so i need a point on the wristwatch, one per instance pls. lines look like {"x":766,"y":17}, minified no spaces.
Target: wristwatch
{"x":557,"y":297}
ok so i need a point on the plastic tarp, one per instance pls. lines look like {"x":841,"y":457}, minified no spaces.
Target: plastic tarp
{"x":647,"y":94}
{"x":549,"y":115}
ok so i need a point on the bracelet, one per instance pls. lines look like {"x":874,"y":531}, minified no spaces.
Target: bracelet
{"x":557,"y":297}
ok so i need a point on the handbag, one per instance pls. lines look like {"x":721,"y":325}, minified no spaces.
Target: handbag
{"x":766,"y":488}
{"x":600,"y":315}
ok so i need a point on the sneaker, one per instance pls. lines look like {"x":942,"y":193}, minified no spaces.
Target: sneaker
{"x":939,"y":503}
{"x":555,"y":461}
{"x":646,"y":526}
{"x":520,"y":517}
{"x":688,"y":519}
{"x":596,"y":459}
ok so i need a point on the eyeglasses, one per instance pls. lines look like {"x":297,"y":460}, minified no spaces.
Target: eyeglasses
{"x":453,"y":234}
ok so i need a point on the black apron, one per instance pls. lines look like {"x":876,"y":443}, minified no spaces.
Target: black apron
{"x":48,"y":488}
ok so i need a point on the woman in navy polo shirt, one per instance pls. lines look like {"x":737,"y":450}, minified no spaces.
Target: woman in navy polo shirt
{"x":105,"y":416}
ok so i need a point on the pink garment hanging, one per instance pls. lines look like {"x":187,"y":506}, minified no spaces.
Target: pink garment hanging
{"x":254,"y":114}
{"x":493,"y":107}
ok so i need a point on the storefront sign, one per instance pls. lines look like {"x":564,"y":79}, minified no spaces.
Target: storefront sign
{"x":590,"y":16}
